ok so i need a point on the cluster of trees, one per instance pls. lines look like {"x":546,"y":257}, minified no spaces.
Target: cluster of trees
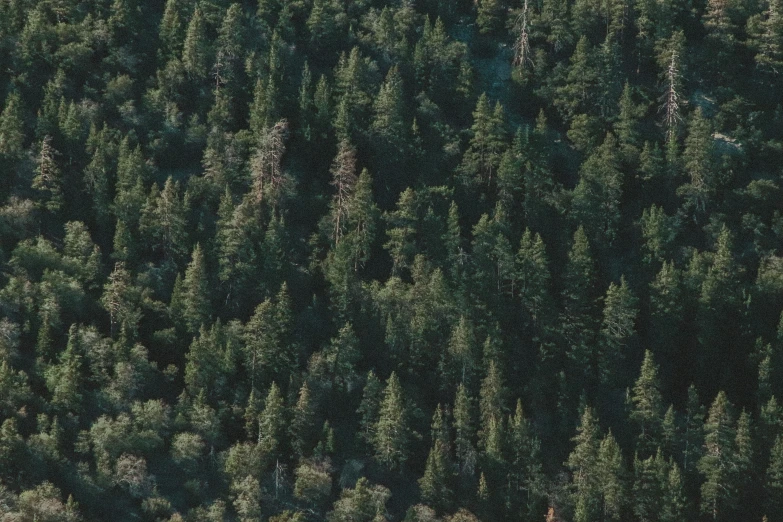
{"x":431,"y":261}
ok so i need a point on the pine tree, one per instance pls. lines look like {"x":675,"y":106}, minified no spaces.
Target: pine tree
{"x":693,"y":438}
{"x":389,"y":108}
{"x":487,"y":144}
{"x":647,"y":488}
{"x":370,"y":407}
{"x":718,"y":492}
{"x":271,"y":423}
{"x":773,"y":482}
{"x":196,"y":305}
{"x":526,"y":474}
{"x":303,"y":425}
{"x":459,"y":364}
{"x":611,"y":475}
{"x":270,"y":182}
{"x":48,"y":178}
{"x":162,"y":224}
{"x":577,"y":320}
{"x":488,"y":17}
{"x":574,"y":97}
{"x":648,"y":406}
{"x":64,"y":379}
{"x":230,"y":48}
{"x":627,"y":125}
{"x":392,"y":432}
{"x":596,"y":203}
{"x":769,"y":43}
{"x":196,"y":47}
{"x":344,"y":181}
{"x":269,"y":354}
{"x":583,"y":463}
{"x":617,"y":328}
{"x":492,"y":398}
{"x":674,"y":502}
{"x":435,"y":483}
{"x":532,"y":276}
{"x":464,"y":428}
{"x":699,"y":163}
{"x":12,"y":127}
{"x":171,"y":31}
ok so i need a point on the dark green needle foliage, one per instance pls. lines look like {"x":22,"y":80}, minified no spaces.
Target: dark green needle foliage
{"x":365,"y":261}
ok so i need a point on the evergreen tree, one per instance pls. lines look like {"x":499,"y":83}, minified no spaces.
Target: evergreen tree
{"x":611,"y":475}
{"x":195,"y":51}
{"x":718,"y":492}
{"x":271,"y":423}
{"x":583,"y":463}
{"x":48,"y":178}
{"x":647,"y":406}
{"x":12,"y":134}
{"x":195,"y":305}
{"x":303,"y":425}
{"x":269,"y":354}
{"x":392,"y":432}
{"x":617,"y":328}
{"x":464,"y":427}
{"x":487,"y":144}
{"x":369,"y":408}
{"x":769,"y":49}
{"x":596,"y":203}
{"x":699,"y":163}
{"x":64,"y":379}
{"x":577,"y":320}
{"x":435,"y":483}
{"x":674,"y":502}
{"x":773,"y":483}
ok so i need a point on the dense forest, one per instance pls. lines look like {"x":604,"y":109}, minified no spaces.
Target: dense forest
{"x":411,"y":260}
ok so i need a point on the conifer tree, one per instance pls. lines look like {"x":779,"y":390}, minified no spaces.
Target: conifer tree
{"x":388,"y":121}
{"x":64,"y":379}
{"x":647,"y":406}
{"x":303,"y":425}
{"x":459,"y":363}
{"x":492,"y":400}
{"x":435,"y":483}
{"x":583,"y":464}
{"x":269,"y":354}
{"x":163,"y":222}
{"x":674,"y":502}
{"x":464,"y":428}
{"x":196,"y":47}
{"x":719,"y":490}
{"x":773,"y":482}
{"x":344,"y":181}
{"x":487,"y":144}
{"x":578,"y":321}
{"x":488,"y":16}
{"x":532,"y":275}
{"x":171,"y":31}
{"x":370,"y":407}
{"x":596,"y":203}
{"x":392,"y":432}
{"x":617,"y":328}
{"x":699,"y":163}
{"x":270,"y":183}
{"x":769,"y":42}
{"x":12,"y":127}
{"x":48,"y":177}
{"x":271,"y":423}
{"x":196,"y":307}
{"x":611,"y":471}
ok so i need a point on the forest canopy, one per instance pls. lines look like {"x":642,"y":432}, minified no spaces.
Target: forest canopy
{"x":410,"y":260}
